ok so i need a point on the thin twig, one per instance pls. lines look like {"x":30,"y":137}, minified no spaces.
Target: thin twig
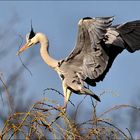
{"x":1,"y":93}
{"x":21,"y":59}
{"x":1,"y":99}
{"x":78,"y":107}
{"x":52,"y":89}
{"x":129,"y":133}
{"x":21,"y":124}
{"x":115,"y":128}
{"x":94,"y":111}
{"x":118,"y":107}
{"x":7,"y":93}
{"x":53,"y":108}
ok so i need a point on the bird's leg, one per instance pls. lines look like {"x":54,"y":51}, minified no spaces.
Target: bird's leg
{"x":66,"y":97}
{"x":67,"y":94}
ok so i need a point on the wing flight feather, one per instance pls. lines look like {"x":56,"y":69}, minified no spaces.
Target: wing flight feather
{"x":89,"y":52}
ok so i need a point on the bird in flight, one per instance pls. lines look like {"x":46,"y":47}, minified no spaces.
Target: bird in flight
{"x":98,"y":43}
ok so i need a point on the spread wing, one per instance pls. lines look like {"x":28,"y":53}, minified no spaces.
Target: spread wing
{"x":89,"y":55}
{"x":130,"y":33}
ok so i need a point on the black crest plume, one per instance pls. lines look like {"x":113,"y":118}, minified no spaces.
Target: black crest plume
{"x":32,"y":33}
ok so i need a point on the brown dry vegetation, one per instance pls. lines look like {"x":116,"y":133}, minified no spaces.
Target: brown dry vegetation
{"x":46,"y":120}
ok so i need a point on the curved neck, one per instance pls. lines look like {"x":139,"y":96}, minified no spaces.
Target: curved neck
{"x":44,"y":51}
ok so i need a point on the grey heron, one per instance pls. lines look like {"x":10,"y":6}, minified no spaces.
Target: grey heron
{"x":98,"y":44}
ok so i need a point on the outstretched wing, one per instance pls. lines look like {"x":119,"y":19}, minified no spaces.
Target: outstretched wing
{"x":91,"y":32}
{"x":130,"y":33}
{"x":88,"y":54}
{"x":126,"y":35}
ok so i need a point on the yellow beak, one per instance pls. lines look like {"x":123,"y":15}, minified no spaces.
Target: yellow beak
{"x":22,"y":49}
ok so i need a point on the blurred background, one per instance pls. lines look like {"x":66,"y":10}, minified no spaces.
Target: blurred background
{"x":58,"y":20}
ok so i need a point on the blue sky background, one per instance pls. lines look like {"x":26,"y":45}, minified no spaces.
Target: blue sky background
{"x":58,"y":20}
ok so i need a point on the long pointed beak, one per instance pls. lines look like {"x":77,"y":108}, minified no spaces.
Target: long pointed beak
{"x":22,"y":49}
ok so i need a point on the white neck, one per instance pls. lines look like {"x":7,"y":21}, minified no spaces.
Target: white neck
{"x":44,"y":51}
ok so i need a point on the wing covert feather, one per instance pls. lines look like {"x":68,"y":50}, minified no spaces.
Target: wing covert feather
{"x":88,"y":52}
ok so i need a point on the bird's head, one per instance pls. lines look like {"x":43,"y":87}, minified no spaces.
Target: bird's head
{"x":31,"y":39}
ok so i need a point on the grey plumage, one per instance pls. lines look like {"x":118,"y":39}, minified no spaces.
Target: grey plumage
{"x":98,"y":44}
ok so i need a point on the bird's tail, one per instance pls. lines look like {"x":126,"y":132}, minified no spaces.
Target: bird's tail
{"x":89,"y":92}
{"x":130,"y":33}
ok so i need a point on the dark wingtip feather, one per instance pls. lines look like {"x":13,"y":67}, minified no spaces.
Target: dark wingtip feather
{"x":130,"y":33}
{"x":85,"y":18}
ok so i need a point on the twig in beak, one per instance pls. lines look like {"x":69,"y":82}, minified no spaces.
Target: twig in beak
{"x":18,"y":54}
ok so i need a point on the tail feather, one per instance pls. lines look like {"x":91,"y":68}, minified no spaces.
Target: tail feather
{"x":130,"y":33}
{"x":89,"y":92}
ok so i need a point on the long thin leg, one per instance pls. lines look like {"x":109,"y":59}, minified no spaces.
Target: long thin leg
{"x":67,"y":94}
